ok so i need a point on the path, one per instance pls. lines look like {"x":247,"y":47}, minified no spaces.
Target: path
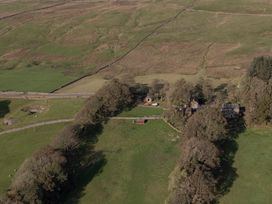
{"x":41,"y":96}
{"x":32,"y":10}
{"x":36,"y":125}
{"x":231,"y":13}
{"x":135,"y":118}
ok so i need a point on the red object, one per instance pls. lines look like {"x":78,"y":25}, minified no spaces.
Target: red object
{"x":140,"y":121}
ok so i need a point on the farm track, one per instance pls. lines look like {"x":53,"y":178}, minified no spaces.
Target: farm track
{"x":230,"y":13}
{"x":164,"y":23}
{"x":33,"y":10}
{"x":42,"y":96}
{"x":52,"y":122}
{"x":36,"y":125}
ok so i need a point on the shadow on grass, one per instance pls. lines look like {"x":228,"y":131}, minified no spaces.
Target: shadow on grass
{"x":4,"y":108}
{"x":86,"y":164}
{"x":85,"y":176}
{"x":228,"y":174}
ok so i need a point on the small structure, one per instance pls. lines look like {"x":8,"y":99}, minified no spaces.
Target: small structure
{"x":8,"y":121}
{"x":148,"y":100}
{"x":155,"y":104}
{"x":34,"y":109}
{"x":194,"y":105}
{"x":231,"y":110}
{"x":140,"y":121}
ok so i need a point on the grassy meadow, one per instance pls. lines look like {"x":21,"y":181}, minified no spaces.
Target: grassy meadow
{"x":141,"y":111}
{"x":253,"y":163}
{"x":54,"y":109}
{"x":16,"y":147}
{"x":139,"y":160}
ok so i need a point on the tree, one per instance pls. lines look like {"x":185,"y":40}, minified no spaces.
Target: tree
{"x":199,"y":153}
{"x":108,"y":101}
{"x":207,"y":123}
{"x":182,"y":93}
{"x":198,"y":188}
{"x":39,"y":179}
{"x":158,"y":89}
{"x":176,"y":118}
{"x":257,"y":91}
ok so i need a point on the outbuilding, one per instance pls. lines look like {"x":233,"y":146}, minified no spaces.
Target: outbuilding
{"x":140,"y":121}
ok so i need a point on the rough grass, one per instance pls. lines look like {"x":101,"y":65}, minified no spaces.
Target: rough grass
{"x":16,"y":147}
{"x":71,"y":40}
{"x":139,"y":161}
{"x":141,"y":111}
{"x":253,"y":162}
{"x":54,"y":109}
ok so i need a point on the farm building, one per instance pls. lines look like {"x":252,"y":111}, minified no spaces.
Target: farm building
{"x":140,"y":121}
{"x":148,"y":100}
{"x":231,"y":110}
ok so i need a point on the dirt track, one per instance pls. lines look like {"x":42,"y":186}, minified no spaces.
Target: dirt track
{"x":42,"y":96}
{"x":36,"y":125}
{"x":32,"y":10}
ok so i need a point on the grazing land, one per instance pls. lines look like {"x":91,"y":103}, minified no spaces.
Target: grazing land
{"x":53,"y":109}
{"x":141,"y":111}
{"x":139,"y":160}
{"x":44,"y":49}
{"x":16,"y":147}
{"x":253,"y":163}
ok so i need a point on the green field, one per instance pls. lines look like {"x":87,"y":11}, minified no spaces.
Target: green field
{"x":54,"y":109}
{"x":16,"y":147}
{"x":139,"y":161}
{"x":253,"y":162}
{"x":141,"y":111}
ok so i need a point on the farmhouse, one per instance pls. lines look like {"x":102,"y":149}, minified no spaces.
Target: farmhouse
{"x":231,"y":110}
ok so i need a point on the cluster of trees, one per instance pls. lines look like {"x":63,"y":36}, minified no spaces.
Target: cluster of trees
{"x":257,"y":91}
{"x":181,"y":96}
{"x":196,"y":180}
{"x":44,"y":177}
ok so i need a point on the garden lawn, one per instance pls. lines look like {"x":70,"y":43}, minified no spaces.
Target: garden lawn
{"x":16,"y":147}
{"x":253,"y":161}
{"x":139,"y":161}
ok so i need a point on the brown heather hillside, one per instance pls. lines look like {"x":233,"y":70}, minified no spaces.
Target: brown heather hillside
{"x":46,"y":44}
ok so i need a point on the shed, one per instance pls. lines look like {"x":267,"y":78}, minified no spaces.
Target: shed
{"x":140,"y":121}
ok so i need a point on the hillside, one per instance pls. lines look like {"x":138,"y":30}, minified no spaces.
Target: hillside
{"x":46,"y":44}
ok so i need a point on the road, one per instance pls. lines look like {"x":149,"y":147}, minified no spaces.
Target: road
{"x":38,"y":95}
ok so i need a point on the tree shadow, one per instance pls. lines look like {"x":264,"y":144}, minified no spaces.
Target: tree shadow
{"x":87,"y":164}
{"x":4,"y":108}
{"x":85,"y":176}
{"x":228,"y":173}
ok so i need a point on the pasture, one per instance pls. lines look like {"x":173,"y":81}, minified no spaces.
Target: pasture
{"x":253,"y":163}
{"x":52,"y":109}
{"x":139,"y":160}
{"x":16,"y":147}
{"x":141,"y":111}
